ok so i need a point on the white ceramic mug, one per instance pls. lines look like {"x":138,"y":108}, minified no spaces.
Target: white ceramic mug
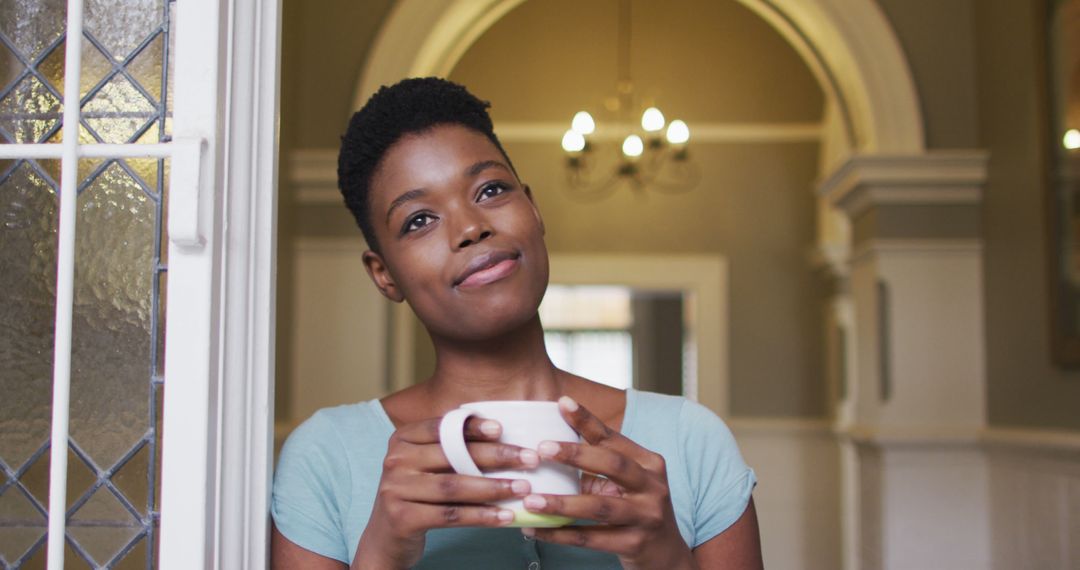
{"x":524,"y":424}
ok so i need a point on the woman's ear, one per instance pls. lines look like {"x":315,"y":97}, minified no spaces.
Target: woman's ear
{"x":380,"y":275}
{"x":536,"y":209}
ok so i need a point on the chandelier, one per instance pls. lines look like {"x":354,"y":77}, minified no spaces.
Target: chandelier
{"x":653,"y":152}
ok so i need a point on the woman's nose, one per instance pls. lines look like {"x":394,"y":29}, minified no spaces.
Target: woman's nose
{"x":474,"y":230}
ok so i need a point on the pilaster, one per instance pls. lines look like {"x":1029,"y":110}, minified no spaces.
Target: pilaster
{"x":915,"y":405}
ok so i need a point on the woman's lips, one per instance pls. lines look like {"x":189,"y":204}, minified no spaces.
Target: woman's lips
{"x":490,"y":274}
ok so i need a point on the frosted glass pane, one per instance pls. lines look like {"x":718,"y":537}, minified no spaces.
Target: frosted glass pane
{"x":146,"y":67}
{"x":111,"y":330}
{"x":103,"y":526}
{"x":27,"y":279}
{"x":118,"y":319}
{"x":24,"y":524}
{"x":32,"y":25}
{"x":10,"y":67}
{"x":28,"y":112}
{"x":118,"y":111}
{"x":122,"y":25}
{"x":131,"y":480}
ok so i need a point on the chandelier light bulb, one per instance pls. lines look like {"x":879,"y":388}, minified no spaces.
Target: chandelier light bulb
{"x":1071,"y":140}
{"x":678,"y":132}
{"x":573,"y":141}
{"x":582,"y":124}
{"x":652,"y":120}
{"x":633,"y":146}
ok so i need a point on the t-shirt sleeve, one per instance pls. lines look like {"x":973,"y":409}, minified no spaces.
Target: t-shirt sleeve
{"x":307,"y":502}
{"x":720,"y":481}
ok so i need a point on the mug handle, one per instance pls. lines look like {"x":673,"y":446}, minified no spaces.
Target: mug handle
{"x":452,"y":440}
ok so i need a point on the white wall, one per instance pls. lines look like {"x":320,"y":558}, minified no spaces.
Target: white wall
{"x":339,"y":332}
{"x":798,"y":493}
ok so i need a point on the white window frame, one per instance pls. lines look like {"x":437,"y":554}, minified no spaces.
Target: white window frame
{"x":218,"y":416}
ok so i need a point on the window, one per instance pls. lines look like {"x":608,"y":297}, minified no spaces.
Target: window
{"x":587,"y":332}
{"x":113,"y":211}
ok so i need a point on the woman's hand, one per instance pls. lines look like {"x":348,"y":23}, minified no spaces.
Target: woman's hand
{"x":630,"y":502}
{"x":419,"y":491}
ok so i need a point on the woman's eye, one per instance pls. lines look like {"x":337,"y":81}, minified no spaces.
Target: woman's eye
{"x":417,"y":222}
{"x":492,"y":190}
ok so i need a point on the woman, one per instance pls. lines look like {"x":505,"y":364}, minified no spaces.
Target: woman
{"x":453,"y":231}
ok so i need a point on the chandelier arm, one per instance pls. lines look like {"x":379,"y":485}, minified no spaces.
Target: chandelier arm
{"x":690,"y":177}
{"x":584,"y":191}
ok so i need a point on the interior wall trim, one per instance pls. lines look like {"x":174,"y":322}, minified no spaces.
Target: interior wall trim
{"x":701,"y":133}
{"x":1034,"y":439}
{"x":934,"y":178}
{"x":311,"y":173}
{"x":866,"y":250}
{"x":995,"y":438}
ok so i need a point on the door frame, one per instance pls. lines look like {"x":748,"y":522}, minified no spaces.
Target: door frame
{"x":218,"y":418}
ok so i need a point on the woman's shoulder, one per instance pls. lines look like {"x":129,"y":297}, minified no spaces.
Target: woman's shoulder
{"x":330,"y":429}
{"x":675,"y":418}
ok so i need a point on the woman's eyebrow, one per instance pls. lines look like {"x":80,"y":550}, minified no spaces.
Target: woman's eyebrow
{"x":484,"y":165}
{"x":406,"y":197}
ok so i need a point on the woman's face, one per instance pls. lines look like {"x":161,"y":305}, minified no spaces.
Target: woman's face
{"x":461,"y":239}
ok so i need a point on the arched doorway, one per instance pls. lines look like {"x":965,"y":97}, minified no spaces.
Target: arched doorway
{"x":851,"y":49}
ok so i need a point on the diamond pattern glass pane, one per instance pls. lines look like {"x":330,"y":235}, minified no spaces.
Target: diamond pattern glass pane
{"x":28,"y":528}
{"x":122,"y":25}
{"x":10,"y":66}
{"x":31,"y":26}
{"x":103,"y":526}
{"x":28,"y":112}
{"x":118,"y":321}
{"x":118,"y":111}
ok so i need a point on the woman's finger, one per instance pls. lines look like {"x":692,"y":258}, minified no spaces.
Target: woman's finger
{"x":598,"y":433}
{"x":423,"y":516}
{"x":444,"y":488}
{"x":427,"y":431}
{"x":599,"y":460}
{"x":487,"y":455}
{"x":607,"y":510}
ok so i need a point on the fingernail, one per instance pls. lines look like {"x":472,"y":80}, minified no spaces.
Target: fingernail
{"x":535,"y":502}
{"x":520,"y":487}
{"x":506,"y":516}
{"x":529,"y":458}
{"x":529,"y":532}
{"x":490,"y":428}
{"x":568,"y":404}
{"x":548,"y":449}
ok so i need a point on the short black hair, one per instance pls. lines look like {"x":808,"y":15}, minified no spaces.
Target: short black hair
{"x":408,"y":107}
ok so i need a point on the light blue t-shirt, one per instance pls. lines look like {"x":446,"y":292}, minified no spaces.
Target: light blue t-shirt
{"x":329,"y":471}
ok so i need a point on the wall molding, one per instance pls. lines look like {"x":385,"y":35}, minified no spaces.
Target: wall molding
{"x":934,"y":178}
{"x":992,"y":438}
{"x":1034,"y":440}
{"x":700,"y":133}
{"x":867,"y":250}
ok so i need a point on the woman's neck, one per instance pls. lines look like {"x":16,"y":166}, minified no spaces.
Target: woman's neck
{"x":514,"y":366}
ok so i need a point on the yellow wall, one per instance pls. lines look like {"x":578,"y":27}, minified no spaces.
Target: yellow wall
{"x":713,"y":62}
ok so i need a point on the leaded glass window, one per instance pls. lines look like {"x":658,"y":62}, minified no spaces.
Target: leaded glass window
{"x":120,"y":268}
